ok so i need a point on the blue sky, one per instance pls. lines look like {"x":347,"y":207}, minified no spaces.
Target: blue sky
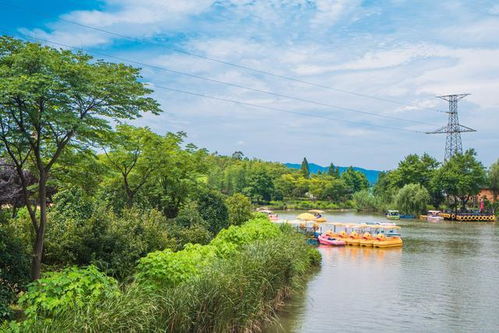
{"x":375,"y":69}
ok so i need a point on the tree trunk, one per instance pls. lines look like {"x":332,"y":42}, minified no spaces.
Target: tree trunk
{"x":36,"y":264}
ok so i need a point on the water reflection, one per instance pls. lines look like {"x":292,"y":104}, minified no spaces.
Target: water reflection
{"x":445,"y":279}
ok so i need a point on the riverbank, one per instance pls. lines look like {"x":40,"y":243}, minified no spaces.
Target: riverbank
{"x":234,"y":284}
{"x":309,"y":204}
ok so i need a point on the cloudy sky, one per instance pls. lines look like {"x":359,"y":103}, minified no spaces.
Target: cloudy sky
{"x":348,"y":81}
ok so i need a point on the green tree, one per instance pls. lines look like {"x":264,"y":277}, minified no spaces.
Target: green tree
{"x":51,"y":99}
{"x":240,"y":209}
{"x":333,"y":171}
{"x":132,"y":156}
{"x":211,"y":206}
{"x":305,"y":168}
{"x":494,"y":178}
{"x":260,"y":187}
{"x":461,"y":177}
{"x":412,"y":199}
{"x":355,"y":180}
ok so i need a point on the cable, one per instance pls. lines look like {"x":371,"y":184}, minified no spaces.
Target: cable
{"x":233,"y":84}
{"x":289,"y":78}
{"x":265,"y":107}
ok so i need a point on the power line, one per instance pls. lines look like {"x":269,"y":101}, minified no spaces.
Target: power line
{"x":453,"y":143}
{"x":178,"y":50}
{"x":232,"y":84}
{"x":273,"y":108}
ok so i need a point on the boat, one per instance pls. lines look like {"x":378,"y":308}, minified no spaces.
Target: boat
{"x":324,"y":239}
{"x":370,"y":232}
{"x":434,"y":216}
{"x":393,"y":215}
{"x":387,"y":238}
{"x":407,"y":216}
{"x":354,"y":237}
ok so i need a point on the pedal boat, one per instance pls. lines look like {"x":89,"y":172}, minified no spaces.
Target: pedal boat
{"x":367,"y":240}
{"x":382,"y":241}
{"x":393,"y":215}
{"x":324,"y":239}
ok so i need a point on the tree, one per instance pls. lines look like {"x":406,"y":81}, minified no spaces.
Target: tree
{"x":461,"y":177}
{"x":355,"y":180}
{"x":212,"y":208}
{"x":239,"y":207}
{"x":494,"y":178}
{"x":333,"y":171}
{"x":412,"y":199}
{"x":238,"y":155}
{"x":54,"y":99}
{"x":305,"y":168}
{"x":132,"y":155}
{"x":260,"y":187}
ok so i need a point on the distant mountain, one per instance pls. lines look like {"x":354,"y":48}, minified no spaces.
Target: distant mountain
{"x":372,"y":175}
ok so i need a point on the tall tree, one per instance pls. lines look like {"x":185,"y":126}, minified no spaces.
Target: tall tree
{"x":494,"y":178}
{"x":305,"y":168}
{"x":461,"y":177}
{"x":333,"y":171}
{"x":355,"y":180}
{"x":51,"y":99}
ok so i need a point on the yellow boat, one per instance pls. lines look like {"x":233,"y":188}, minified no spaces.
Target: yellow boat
{"x":384,"y":241}
{"x":355,"y":236}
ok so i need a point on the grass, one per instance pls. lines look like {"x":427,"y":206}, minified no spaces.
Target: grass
{"x":237,"y":294}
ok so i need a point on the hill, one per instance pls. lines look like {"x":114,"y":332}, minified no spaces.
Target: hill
{"x":372,"y":175}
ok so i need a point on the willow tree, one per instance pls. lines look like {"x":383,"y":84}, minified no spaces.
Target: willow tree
{"x":54,"y":99}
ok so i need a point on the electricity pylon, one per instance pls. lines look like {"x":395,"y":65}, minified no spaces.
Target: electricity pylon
{"x":453,"y":144}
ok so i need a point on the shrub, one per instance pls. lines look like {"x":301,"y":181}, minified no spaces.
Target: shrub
{"x":195,"y":234}
{"x":240,"y":209}
{"x":64,"y":291}
{"x":196,"y":290}
{"x":212,"y":208}
{"x":166,"y":268}
{"x":412,"y":199}
{"x":112,"y":242}
{"x":14,"y":267}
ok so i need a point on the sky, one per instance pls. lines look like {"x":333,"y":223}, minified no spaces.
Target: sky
{"x":345,"y":81}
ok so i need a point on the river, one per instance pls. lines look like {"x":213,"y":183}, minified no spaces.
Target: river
{"x":444,"y":279}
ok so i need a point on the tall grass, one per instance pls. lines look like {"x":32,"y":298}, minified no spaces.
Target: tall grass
{"x":239,"y":293}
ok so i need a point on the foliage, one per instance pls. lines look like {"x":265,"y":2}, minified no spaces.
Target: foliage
{"x":163,"y":269}
{"x":14,"y":267}
{"x":366,"y":200}
{"x":54,"y":99}
{"x":461,"y":177}
{"x":232,"y":294}
{"x":212,"y":208}
{"x":493,"y":176}
{"x":412,"y":199}
{"x":111,"y":242}
{"x":333,"y":171}
{"x":305,"y":170}
{"x":240,"y":209}
{"x":355,"y":180}
{"x":64,"y":291}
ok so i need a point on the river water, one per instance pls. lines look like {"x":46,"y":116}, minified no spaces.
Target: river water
{"x":444,"y":279}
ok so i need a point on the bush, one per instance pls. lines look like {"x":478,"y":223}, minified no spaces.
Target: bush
{"x":195,"y":290}
{"x":239,"y":208}
{"x":163,"y":269}
{"x":112,"y":242}
{"x":14,"y":268}
{"x":195,"y":234}
{"x":212,"y":208}
{"x":412,"y":199}
{"x":64,"y":291}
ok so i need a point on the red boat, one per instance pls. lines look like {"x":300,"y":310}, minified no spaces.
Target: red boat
{"x":326,"y":240}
